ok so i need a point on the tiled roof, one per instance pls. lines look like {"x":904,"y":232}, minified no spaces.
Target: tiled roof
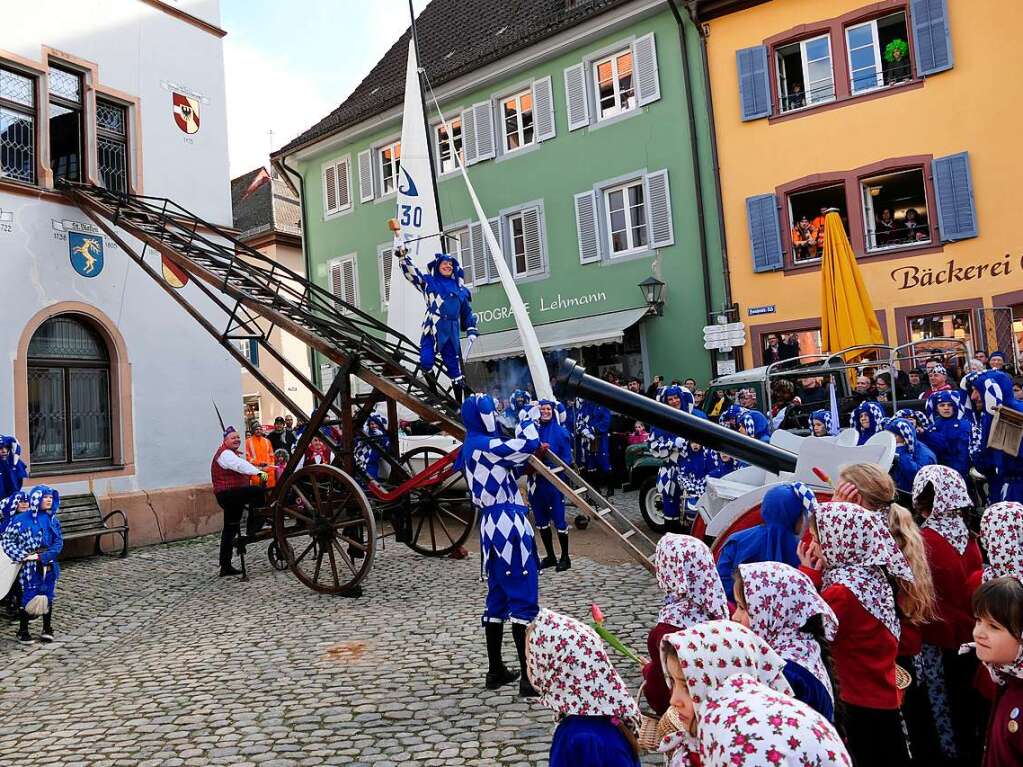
{"x":455,"y":37}
{"x":262,"y":203}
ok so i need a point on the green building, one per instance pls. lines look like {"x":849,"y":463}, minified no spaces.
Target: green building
{"x":573,"y":117}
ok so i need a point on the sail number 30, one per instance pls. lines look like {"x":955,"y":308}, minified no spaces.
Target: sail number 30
{"x":411,"y":215}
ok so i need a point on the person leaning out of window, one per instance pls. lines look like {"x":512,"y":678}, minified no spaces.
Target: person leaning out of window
{"x":804,"y":240}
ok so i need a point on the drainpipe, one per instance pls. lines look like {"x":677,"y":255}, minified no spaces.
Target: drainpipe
{"x":694,"y":150}
{"x":314,"y":371}
{"x":691,"y":6}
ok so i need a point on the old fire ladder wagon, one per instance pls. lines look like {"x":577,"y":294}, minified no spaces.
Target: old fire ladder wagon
{"x":324,"y":524}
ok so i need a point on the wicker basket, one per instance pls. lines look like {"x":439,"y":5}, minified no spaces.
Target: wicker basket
{"x":903,"y":678}
{"x":648,"y":738}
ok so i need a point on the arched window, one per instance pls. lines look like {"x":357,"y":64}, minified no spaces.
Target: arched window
{"x":69,"y":410}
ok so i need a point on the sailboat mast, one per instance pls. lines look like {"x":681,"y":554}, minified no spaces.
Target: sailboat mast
{"x":426,"y":123}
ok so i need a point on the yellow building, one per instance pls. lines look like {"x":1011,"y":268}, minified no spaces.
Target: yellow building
{"x":903,"y":115}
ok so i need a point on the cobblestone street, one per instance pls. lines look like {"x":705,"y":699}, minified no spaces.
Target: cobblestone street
{"x":157,"y":661}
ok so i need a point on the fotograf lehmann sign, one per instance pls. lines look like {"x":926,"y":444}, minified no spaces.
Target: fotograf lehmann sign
{"x":547,"y":304}
{"x":906,"y":277}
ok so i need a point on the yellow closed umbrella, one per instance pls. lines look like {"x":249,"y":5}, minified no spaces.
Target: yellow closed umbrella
{"x":847,"y":315}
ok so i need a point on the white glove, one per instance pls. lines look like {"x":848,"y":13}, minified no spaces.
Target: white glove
{"x":532,"y":414}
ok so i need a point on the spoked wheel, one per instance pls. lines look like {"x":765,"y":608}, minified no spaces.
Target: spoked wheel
{"x":324,"y":529}
{"x":277,"y":560}
{"x":441,"y":516}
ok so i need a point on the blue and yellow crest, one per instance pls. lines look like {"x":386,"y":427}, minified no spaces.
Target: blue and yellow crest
{"x":86,"y":253}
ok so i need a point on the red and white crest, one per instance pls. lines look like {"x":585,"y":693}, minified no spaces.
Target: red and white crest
{"x":186,"y":112}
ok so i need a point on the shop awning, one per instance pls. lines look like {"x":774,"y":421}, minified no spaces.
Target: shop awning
{"x":566,"y":334}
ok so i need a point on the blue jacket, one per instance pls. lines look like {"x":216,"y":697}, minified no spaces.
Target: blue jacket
{"x":949,"y":438}
{"x":590,"y":741}
{"x":36,"y":530}
{"x":909,"y":457}
{"x":12,"y":469}
{"x":558,"y":441}
{"x":448,"y":301}
{"x":809,"y":689}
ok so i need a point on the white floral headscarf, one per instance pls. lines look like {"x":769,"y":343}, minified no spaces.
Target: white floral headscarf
{"x":779,"y":601}
{"x":712,"y":655}
{"x":570,"y":669}
{"x":751,"y":725}
{"x":1001,"y":532}
{"x":690,"y":582}
{"x":856,"y":545}
{"x":950,"y":495}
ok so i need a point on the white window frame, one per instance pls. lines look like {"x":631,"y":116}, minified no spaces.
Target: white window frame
{"x":876,"y":46}
{"x":624,"y":187}
{"x":438,"y":143}
{"x":353,"y":258}
{"x":513,"y":255}
{"x":336,"y":164}
{"x":868,"y":211}
{"x":616,"y":83}
{"x":394,"y":162}
{"x":804,"y":62}
{"x":464,"y":245}
{"x":520,"y":129}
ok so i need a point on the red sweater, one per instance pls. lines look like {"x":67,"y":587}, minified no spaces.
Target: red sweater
{"x":863,"y":653}
{"x":951,"y":573}
{"x":656,"y":690}
{"x":1004,"y":747}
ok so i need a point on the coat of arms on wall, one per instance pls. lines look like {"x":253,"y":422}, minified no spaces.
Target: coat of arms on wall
{"x":86,"y":253}
{"x":186,"y":112}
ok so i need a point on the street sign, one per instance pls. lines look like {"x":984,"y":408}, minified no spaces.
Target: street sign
{"x":724,"y":337}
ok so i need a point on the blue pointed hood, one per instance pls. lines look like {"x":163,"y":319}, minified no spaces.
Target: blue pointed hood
{"x":458,"y":274}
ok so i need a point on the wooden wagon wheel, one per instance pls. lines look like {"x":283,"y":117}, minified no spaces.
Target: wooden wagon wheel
{"x":441,"y":516}
{"x":324,"y":529}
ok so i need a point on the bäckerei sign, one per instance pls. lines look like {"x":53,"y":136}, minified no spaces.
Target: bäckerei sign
{"x":907,"y":277}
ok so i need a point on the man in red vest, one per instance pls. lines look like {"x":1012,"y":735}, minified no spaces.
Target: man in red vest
{"x":231,"y":484}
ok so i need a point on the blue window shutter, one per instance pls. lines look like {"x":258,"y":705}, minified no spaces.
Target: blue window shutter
{"x":953,"y":191}
{"x":764,"y":232}
{"x":754,"y":86}
{"x":932,"y":38}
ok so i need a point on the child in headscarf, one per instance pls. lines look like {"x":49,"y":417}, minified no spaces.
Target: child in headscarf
{"x":910,"y":454}
{"x":598,"y":721}
{"x":949,"y":434}
{"x":545,"y":500}
{"x":34,"y":538}
{"x":735,"y":707}
{"x":866,"y":419}
{"x":781,"y":605}
{"x":859,"y":553}
{"x":820,"y":423}
{"x":1001,"y":533}
{"x":783,"y":509}
{"x":692,"y":594}
{"x":998,"y":641}
{"x":940,"y":498}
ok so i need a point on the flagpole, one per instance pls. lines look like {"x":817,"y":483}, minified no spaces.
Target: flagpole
{"x":426,"y":123}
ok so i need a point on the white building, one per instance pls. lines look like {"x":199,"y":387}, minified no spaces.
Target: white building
{"x":106,"y":382}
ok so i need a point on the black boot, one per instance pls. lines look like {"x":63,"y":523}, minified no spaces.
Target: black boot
{"x":519,"y":635}
{"x":498,"y":674}
{"x":23,"y":635}
{"x":564,"y":563}
{"x":47,"y":635}
{"x":548,"y":543}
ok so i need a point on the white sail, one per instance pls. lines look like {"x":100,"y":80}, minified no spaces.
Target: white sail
{"x":416,"y":208}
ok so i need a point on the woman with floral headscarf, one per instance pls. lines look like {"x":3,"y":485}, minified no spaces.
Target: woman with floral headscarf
{"x":735,"y":707}
{"x":940,"y":499}
{"x":598,"y":721}
{"x":1001,"y":534}
{"x":781,"y":605}
{"x":859,"y":555}
{"x":692,"y":594}
{"x":34,"y":538}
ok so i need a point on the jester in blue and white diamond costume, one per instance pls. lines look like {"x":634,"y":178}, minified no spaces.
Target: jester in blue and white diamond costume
{"x":367,"y":454}
{"x":448,"y":311}
{"x":669,"y":448}
{"x":491,"y":464}
{"x":31,"y":531}
{"x":12,"y":469}
{"x":546,"y":501}
{"x":989,"y":391}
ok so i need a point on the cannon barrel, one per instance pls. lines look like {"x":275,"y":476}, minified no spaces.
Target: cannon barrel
{"x":572,"y":381}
